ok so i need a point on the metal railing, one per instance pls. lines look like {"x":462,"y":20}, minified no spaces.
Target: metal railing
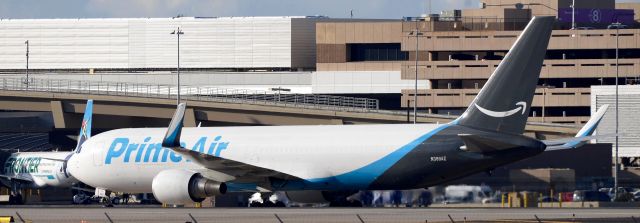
{"x":215,"y":94}
{"x":192,"y":93}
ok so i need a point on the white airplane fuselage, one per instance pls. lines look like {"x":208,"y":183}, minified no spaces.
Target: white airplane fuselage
{"x":127,"y":160}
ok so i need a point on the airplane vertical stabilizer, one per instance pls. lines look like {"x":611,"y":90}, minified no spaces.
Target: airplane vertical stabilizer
{"x":503,"y":103}
{"x":85,"y":129}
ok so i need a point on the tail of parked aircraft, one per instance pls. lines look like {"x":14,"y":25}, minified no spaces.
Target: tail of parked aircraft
{"x":503,"y":103}
{"x":85,"y":130}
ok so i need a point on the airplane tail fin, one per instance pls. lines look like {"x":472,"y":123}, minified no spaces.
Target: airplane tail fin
{"x":172,"y":136}
{"x":503,"y":103}
{"x":85,"y":130}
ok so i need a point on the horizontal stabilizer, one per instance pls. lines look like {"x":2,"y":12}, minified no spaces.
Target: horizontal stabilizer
{"x":584,"y":135}
{"x":593,"y":122}
{"x":54,"y":159}
{"x":572,"y":143}
{"x":480,"y":144}
{"x":557,"y":142}
{"x":16,"y":177}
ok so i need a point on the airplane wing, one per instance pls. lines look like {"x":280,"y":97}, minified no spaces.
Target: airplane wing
{"x":53,"y":159}
{"x":217,"y":168}
{"x":84,"y":189}
{"x":584,"y":135}
{"x":17,"y":177}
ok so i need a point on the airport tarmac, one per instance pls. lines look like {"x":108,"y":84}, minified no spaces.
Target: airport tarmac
{"x":277,"y":215}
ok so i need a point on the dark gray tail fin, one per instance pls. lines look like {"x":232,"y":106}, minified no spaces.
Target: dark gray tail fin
{"x":503,"y":103}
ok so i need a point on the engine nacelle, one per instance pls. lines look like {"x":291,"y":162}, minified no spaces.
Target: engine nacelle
{"x":183,"y":186}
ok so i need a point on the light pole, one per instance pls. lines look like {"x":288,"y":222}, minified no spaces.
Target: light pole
{"x":544,"y":88}
{"x":573,"y":14}
{"x":27,"y":70}
{"x":615,"y":173}
{"x":415,"y":93}
{"x":178,"y":32}
{"x":544,"y":101}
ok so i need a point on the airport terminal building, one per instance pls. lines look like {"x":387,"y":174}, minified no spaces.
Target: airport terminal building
{"x":145,"y":44}
{"x":458,"y":50}
{"x":449,"y":56}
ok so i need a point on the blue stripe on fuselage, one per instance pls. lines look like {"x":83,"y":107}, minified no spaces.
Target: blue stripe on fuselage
{"x":363,"y":177}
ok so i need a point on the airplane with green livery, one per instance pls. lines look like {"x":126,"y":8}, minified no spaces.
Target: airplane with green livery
{"x":42,"y":169}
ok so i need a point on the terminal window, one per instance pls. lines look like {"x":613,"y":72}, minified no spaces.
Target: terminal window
{"x":376,"y":52}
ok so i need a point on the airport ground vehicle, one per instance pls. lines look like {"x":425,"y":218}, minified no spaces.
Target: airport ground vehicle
{"x":589,"y":195}
{"x":636,"y":195}
{"x":315,"y":164}
{"x":624,"y":193}
{"x":547,"y":199}
{"x":466,"y":194}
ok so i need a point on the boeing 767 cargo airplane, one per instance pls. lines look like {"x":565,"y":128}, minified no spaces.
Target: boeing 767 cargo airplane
{"x":318,"y":163}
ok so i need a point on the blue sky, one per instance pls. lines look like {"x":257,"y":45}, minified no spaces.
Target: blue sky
{"x":168,"y":8}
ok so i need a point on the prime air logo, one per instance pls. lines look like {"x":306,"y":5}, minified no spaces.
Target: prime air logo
{"x":501,"y":114}
{"x":152,"y":152}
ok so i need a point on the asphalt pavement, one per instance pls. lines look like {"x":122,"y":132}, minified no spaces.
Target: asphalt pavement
{"x":277,"y":215}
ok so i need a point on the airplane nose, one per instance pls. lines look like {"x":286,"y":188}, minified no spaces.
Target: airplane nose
{"x":73,"y":164}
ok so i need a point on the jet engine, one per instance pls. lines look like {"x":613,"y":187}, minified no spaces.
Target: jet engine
{"x":178,"y":186}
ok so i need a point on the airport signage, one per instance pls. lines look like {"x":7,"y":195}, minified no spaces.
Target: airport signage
{"x":602,"y":16}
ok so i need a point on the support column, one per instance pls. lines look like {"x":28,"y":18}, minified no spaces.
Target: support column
{"x":61,"y":120}
{"x":189,"y":118}
{"x":336,"y":121}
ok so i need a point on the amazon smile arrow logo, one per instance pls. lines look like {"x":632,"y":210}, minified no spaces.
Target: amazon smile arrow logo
{"x":501,"y":114}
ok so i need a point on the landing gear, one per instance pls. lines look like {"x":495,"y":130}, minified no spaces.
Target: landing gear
{"x":104,"y":197}
{"x":273,"y":200}
{"x":81,"y":198}
{"x":15,"y":196}
{"x":344,"y":199}
{"x":255,"y":204}
{"x":16,"y":199}
{"x":345,"y":203}
{"x":110,"y":202}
